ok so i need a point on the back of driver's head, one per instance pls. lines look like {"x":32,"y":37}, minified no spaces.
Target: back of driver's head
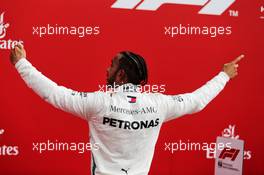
{"x":135,"y":67}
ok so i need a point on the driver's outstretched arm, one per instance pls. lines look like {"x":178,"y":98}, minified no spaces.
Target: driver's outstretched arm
{"x":189,"y":103}
{"x":78,"y":103}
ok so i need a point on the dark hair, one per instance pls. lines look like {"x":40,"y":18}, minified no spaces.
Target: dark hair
{"x":135,"y":67}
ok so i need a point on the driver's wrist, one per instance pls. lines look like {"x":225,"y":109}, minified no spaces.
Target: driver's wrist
{"x":18,"y":60}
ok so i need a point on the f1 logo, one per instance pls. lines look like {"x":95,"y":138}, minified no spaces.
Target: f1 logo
{"x":230,"y":153}
{"x":210,"y":7}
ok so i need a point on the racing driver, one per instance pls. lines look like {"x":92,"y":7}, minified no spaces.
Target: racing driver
{"x":124,"y":122}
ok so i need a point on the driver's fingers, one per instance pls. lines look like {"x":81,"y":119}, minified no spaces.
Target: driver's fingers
{"x":13,"y":51}
{"x":238,"y":59}
{"x":19,"y":46}
{"x":12,"y":54}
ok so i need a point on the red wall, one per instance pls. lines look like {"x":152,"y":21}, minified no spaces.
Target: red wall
{"x":183,"y":63}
